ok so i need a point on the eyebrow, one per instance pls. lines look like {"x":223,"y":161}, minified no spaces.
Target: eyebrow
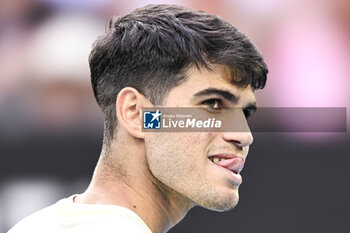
{"x":214,"y":91}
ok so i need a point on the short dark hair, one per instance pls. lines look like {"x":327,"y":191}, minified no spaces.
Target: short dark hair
{"x":151,"y":48}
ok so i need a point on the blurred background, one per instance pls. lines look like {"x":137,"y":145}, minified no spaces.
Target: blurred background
{"x":51,"y":127}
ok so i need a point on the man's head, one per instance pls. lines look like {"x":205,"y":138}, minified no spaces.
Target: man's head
{"x":151,"y":49}
{"x":172,"y":56}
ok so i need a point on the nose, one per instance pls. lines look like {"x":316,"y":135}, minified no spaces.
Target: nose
{"x":239,"y":132}
{"x":241,"y":139}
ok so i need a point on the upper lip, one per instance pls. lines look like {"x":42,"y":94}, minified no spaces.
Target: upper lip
{"x":227,"y":156}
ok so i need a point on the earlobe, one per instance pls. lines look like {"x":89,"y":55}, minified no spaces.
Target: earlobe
{"x":129,"y":106}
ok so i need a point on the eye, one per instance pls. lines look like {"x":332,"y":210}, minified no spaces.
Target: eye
{"x":214,"y":104}
{"x":248,"y":113}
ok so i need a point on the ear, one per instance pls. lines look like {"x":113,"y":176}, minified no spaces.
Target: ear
{"x":129,"y":105}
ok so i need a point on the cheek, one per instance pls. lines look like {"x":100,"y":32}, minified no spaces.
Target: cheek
{"x":172,"y":156}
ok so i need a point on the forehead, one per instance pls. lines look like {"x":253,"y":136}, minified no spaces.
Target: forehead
{"x":219,"y":77}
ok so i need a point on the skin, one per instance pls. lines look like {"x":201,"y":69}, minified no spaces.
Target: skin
{"x":160,"y":176}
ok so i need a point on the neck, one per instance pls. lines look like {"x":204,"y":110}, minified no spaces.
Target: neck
{"x":136,"y":189}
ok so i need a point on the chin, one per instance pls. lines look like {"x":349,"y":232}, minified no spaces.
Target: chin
{"x":221,"y":203}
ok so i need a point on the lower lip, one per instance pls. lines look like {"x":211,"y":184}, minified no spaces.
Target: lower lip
{"x":237,"y":178}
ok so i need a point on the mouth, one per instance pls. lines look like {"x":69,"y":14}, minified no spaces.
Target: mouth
{"x":234,"y":164}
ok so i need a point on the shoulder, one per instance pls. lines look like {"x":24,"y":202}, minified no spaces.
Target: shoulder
{"x":115,"y":223}
{"x":35,"y":221}
{"x":65,"y":216}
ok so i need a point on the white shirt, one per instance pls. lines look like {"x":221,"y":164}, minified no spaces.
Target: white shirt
{"x":69,"y":217}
